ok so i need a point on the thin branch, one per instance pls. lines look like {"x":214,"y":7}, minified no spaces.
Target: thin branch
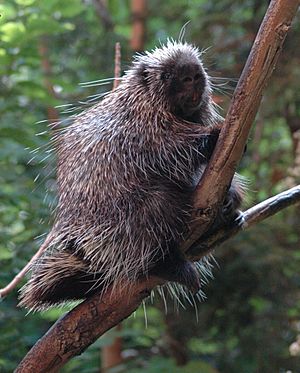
{"x":252,"y":216}
{"x":117,"y":73}
{"x":8,"y":288}
{"x":53,"y":119}
{"x":79,"y":328}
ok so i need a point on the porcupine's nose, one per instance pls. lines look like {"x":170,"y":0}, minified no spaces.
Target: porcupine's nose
{"x":191,"y":85}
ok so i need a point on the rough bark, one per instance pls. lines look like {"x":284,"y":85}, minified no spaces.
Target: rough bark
{"x":78,"y":329}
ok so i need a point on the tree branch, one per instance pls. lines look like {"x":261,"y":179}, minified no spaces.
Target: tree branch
{"x":260,"y":64}
{"x":79,"y":328}
{"x":117,"y":72}
{"x":14,"y":282}
{"x":252,"y":216}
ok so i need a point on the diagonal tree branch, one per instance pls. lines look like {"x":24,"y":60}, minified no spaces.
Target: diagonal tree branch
{"x":79,"y":328}
{"x":72,"y":334}
{"x":243,"y":108}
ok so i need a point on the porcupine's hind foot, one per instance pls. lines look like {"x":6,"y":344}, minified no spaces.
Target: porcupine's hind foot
{"x":178,"y":269}
{"x":57,"y":278}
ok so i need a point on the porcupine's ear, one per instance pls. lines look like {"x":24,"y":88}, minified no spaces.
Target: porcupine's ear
{"x":143,"y":74}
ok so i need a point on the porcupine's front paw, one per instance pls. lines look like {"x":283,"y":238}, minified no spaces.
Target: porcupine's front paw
{"x":229,"y":210}
{"x":236,"y":219}
{"x":240,"y":220}
{"x":232,"y":202}
{"x":231,"y":215}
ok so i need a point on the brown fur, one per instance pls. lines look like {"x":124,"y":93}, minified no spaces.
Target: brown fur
{"x":127,"y":168}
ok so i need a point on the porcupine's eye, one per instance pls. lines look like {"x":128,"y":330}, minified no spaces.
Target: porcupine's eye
{"x":165,"y":76}
{"x":145,"y":74}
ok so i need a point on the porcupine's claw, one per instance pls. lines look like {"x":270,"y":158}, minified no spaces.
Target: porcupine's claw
{"x":240,"y":220}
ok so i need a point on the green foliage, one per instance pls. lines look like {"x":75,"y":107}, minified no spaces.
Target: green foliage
{"x":252,"y":311}
{"x":163,"y":365}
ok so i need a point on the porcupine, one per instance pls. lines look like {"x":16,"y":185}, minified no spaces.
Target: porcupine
{"x":127,"y":169}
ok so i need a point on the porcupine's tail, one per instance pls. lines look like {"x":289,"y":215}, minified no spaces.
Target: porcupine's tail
{"x":57,"y":277}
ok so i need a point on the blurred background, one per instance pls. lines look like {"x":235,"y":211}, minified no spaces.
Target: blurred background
{"x":250,"y":320}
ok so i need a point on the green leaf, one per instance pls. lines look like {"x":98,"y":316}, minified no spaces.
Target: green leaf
{"x":43,"y":25}
{"x":5,"y":254}
{"x":12,"y":31}
{"x":25,"y":2}
{"x":7,"y":12}
{"x":69,"y":8}
{"x":259,"y":304}
{"x":199,"y":366}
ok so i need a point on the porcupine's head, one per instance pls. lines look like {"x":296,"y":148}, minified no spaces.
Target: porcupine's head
{"x":174,"y":75}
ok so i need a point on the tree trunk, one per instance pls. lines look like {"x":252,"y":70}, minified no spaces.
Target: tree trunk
{"x":111,"y":355}
{"x":138,"y":36}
